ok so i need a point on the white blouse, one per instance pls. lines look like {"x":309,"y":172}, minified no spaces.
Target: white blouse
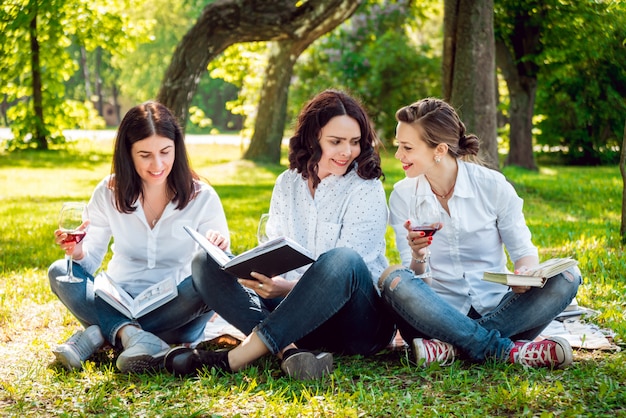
{"x":485,"y":218}
{"x":144,"y":256}
{"x":346,"y":211}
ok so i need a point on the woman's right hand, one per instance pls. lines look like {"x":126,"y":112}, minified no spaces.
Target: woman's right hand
{"x":217,"y":239}
{"x":417,"y":239}
{"x":71,"y":248}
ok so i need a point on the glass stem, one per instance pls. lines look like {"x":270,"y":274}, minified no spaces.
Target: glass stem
{"x":68,"y":258}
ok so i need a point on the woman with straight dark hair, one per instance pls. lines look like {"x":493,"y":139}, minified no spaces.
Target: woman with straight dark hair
{"x":331,"y":201}
{"x":151,"y":193}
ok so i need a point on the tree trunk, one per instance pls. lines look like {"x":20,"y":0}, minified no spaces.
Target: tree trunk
{"x":522,"y":91}
{"x":86,"y":76}
{"x":517,"y":48}
{"x":269,"y":126}
{"x":99,"y":81}
{"x":470,"y":70}
{"x":265,"y":144}
{"x":622,"y":169}
{"x":223,"y":23}
{"x":116,"y":104}
{"x":40,"y":135}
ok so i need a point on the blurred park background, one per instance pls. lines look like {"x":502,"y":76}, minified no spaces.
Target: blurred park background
{"x":541,"y":82}
{"x":529,"y":77}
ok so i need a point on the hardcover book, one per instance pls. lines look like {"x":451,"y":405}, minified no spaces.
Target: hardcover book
{"x":272,"y":258}
{"x":536,"y":277}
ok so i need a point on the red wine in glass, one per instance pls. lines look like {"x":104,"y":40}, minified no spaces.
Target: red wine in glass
{"x":74,"y":236}
{"x":71,"y":218}
{"x":428,"y":231}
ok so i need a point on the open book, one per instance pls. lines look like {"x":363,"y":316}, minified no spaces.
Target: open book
{"x":536,"y":277}
{"x":148,"y":300}
{"x":272,"y":258}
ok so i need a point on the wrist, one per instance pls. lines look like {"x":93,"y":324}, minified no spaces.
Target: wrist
{"x":419,"y":259}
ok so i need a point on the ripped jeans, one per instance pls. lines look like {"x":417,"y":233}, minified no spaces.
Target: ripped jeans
{"x":422,"y":313}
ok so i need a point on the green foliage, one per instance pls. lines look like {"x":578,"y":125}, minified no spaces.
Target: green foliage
{"x":385,"y":54}
{"x":242,"y":66}
{"x":59,"y":24}
{"x":570,"y":210}
{"x":579,"y":64}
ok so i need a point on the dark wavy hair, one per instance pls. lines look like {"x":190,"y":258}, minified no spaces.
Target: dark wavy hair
{"x":304,"y":148}
{"x":140,"y":122}
{"x":439,"y":123}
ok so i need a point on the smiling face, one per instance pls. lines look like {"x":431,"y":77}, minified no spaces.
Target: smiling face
{"x":153,"y":158}
{"x":416,"y":157}
{"x":340,"y":144}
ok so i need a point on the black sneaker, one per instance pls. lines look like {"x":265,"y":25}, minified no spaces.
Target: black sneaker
{"x":184,"y":361}
{"x":305,"y":365}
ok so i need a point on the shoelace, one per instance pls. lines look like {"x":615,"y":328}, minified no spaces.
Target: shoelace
{"x":82,"y":344}
{"x":439,"y":351}
{"x":537,"y":354}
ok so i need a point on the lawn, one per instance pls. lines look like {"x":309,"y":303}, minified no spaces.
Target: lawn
{"x":572,"y":211}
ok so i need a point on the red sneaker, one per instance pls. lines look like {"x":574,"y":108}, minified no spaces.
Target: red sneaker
{"x":430,"y":351}
{"x":554,"y":352}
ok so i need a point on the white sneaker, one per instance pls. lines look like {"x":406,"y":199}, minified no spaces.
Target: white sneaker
{"x":305,"y":365}
{"x":143,"y":351}
{"x":79,"y":347}
{"x":430,"y":351}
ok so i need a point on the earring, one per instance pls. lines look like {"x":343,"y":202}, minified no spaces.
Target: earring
{"x":437,"y":159}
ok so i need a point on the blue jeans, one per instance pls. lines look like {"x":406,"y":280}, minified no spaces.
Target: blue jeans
{"x":334,"y":306}
{"x":181,"y":320}
{"x":422,"y":313}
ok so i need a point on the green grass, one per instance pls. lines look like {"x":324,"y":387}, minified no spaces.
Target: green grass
{"x":571,"y":211}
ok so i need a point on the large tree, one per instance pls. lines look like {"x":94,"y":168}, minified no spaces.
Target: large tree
{"x":272,"y":111}
{"x":518,"y":44}
{"x":223,"y":23}
{"x":469,"y":70}
{"x":564,"y":59}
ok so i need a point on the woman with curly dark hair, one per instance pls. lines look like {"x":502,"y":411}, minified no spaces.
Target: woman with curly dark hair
{"x":331,"y":201}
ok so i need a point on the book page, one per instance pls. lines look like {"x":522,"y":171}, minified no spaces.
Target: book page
{"x":213,"y":250}
{"x":148,"y":300}
{"x":154,"y":296}
{"x":111,"y":292}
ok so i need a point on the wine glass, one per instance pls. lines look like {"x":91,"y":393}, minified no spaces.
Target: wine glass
{"x":261,"y":233}
{"x":425,"y":216}
{"x":72,"y":216}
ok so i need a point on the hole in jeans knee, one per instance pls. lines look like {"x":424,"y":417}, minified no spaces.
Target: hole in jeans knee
{"x":568,"y":276}
{"x":394,"y":283}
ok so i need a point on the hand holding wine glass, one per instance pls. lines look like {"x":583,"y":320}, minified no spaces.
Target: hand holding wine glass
{"x":425,"y":217}
{"x":72,"y":230}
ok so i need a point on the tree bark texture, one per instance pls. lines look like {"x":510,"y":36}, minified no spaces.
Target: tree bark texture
{"x":225,"y":22}
{"x":269,"y":127}
{"x":516,"y":52}
{"x":265,"y":144}
{"x":40,"y":134}
{"x":522,"y":92}
{"x":470,"y":70}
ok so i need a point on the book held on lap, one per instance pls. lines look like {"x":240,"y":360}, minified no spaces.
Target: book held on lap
{"x":146,"y":301}
{"x":272,"y":258}
{"x":536,"y":277}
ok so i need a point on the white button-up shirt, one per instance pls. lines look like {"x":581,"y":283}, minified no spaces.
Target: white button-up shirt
{"x":144,"y":256}
{"x":485,"y":218}
{"x":346,"y":211}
